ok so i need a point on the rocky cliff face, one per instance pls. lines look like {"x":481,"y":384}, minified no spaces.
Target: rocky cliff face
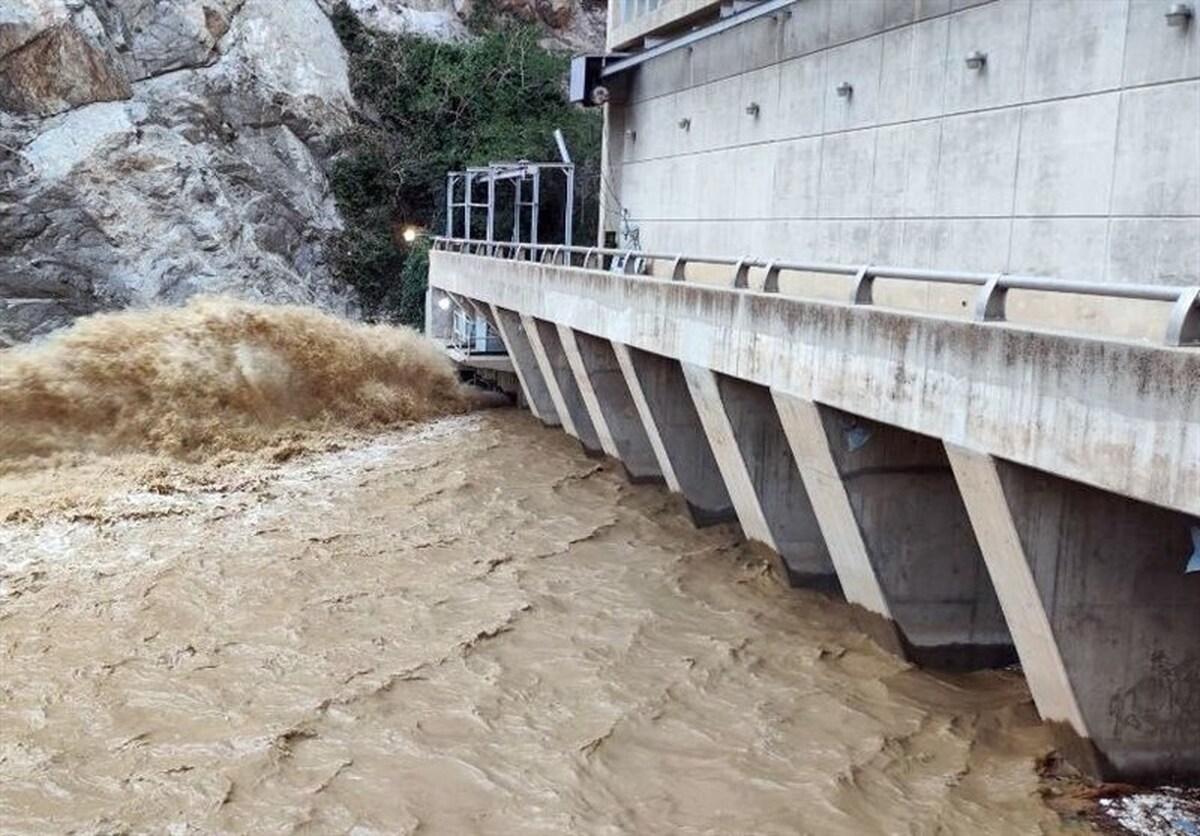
{"x":153,"y":150}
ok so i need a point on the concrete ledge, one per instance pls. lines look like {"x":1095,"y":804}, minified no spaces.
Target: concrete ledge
{"x":1121,"y":416}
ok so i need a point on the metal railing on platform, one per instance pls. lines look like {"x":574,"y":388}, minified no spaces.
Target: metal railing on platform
{"x":1182,"y":327}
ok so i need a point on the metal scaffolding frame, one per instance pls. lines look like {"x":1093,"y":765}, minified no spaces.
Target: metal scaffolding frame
{"x":521,"y":174}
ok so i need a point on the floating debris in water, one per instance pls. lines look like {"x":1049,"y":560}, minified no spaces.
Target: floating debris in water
{"x":1168,"y":812}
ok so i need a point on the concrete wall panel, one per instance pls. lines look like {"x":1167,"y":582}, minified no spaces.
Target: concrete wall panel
{"x":978,"y":164}
{"x":1152,"y":55}
{"x":1001,"y":31}
{"x":1075,"y":46}
{"x":847,"y":165}
{"x":1158,"y":144}
{"x":808,"y":29}
{"x":1168,"y":248}
{"x":1064,"y":145}
{"x":857,"y":63}
{"x":913,"y":77}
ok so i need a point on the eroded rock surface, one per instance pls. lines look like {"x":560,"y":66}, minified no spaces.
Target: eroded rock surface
{"x":152,"y":150}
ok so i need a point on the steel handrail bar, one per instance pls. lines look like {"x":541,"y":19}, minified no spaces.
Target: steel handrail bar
{"x":1183,"y":327}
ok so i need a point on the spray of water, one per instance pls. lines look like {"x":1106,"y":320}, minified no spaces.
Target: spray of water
{"x":214,"y":375}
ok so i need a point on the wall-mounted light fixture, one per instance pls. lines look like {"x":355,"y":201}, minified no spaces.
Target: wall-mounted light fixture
{"x":976,"y":60}
{"x":632,"y":134}
{"x":845,"y":89}
{"x":752,"y":109}
{"x":1180,"y":15}
{"x":685,"y":124}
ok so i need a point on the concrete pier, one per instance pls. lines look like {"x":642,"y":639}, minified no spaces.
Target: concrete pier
{"x":670,"y":416}
{"x":706,"y":395}
{"x":761,"y":450}
{"x":1104,"y":618}
{"x":529,"y":373}
{"x":599,"y":373}
{"x":561,"y":383}
{"x":587,"y":394}
{"x":892,"y":493}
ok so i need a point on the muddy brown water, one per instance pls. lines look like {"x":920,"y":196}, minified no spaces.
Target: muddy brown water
{"x":465,"y":627}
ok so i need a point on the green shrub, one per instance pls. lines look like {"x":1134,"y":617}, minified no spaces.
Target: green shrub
{"x":429,"y":108}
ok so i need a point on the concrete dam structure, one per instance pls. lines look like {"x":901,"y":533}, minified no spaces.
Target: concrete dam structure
{"x":975,"y":487}
{"x":992,"y":451}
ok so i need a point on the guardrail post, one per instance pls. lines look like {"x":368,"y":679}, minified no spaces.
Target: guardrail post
{"x":990,"y":306}
{"x":630,"y":265}
{"x":864,"y":284}
{"x":771,"y":279}
{"x":1183,"y":326}
{"x":741,"y":272}
{"x":678,"y":268}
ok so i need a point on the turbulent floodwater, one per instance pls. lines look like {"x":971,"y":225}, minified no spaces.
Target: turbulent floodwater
{"x":466,"y":627}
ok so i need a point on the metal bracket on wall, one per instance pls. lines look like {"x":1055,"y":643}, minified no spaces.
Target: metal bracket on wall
{"x":864,"y":284}
{"x":1183,"y":326}
{"x":990,"y":306}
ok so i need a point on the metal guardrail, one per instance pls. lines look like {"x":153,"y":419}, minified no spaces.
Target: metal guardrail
{"x":1183,"y":323}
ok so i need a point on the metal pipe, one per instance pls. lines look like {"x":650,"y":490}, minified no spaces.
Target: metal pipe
{"x":569,"y":221}
{"x":537,"y":200}
{"x":469,"y":185}
{"x":491,"y":208}
{"x":516,"y":235}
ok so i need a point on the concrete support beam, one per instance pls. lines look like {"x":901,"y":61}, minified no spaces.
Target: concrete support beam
{"x":673,"y":426}
{"x":1102,"y":613}
{"x":561,"y":384}
{"x":760,"y":473}
{"x":900,"y":536}
{"x":706,"y":395}
{"x":617,"y":408}
{"x":583,"y":383}
{"x":508,"y":324}
{"x":805,"y":431}
{"x":637,"y":395}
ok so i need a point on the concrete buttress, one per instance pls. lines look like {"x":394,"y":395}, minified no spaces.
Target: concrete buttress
{"x":674,"y":426}
{"x":1104,"y":617}
{"x":760,"y":473}
{"x":587,"y":393}
{"x":529,"y":373}
{"x":602,"y":375}
{"x":895,"y":523}
{"x":560,"y":381}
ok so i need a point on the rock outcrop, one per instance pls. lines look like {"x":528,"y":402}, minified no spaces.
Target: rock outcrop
{"x":151,"y":150}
